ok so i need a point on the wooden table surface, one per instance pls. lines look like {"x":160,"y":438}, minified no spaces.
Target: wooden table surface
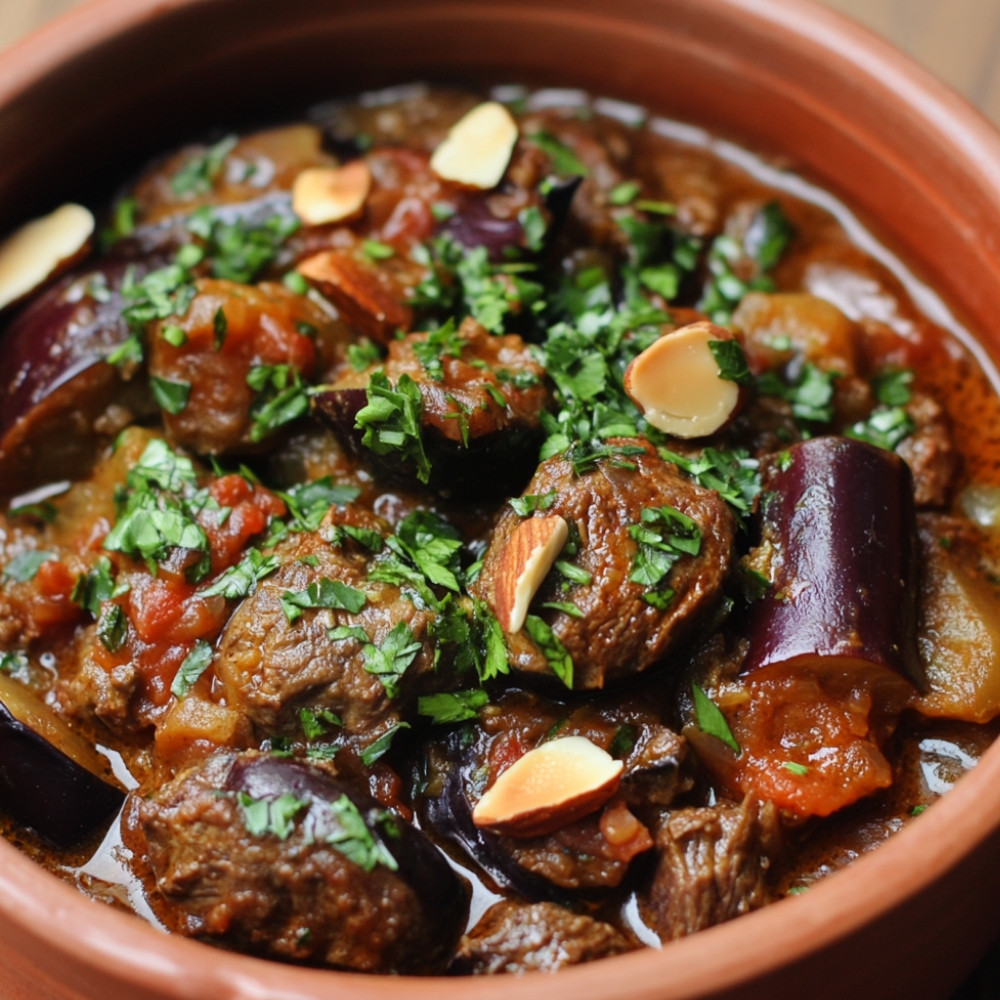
{"x":957,"y":40}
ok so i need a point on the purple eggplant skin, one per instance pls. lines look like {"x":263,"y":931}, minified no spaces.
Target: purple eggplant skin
{"x":61,"y":793}
{"x":839,"y":535}
{"x":421,"y":865}
{"x":492,"y":465}
{"x":449,"y":815}
{"x":474,"y":225}
{"x":60,"y":401}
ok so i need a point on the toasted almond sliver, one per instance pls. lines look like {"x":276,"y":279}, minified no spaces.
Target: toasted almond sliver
{"x":550,"y":786}
{"x":478,"y":148}
{"x":534,"y":546}
{"x":40,"y":249}
{"x":321,"y":195}
{"x":677,"y":385}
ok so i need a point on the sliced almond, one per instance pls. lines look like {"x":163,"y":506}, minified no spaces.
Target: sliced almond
{"x":41,"y":249}
{"x":478,"y":147}
{"x":533,"y":547}
{"x":549,"y":787}
{"x":364,"y":297}
{"x":321,"y":195}
{"x":677,"y":384}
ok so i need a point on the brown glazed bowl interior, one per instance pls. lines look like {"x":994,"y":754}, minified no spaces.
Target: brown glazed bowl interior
{"x":85,"y":100}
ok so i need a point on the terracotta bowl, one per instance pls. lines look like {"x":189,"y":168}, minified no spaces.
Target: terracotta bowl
{"x":87,"y":98}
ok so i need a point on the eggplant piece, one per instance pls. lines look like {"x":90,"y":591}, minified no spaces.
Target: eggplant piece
{"x":474,"y":224}
{"x":305,"y":866}
{"x":839,"y":547}
{"x":60,"y":401}
{"x":468,"y":408}
{"x":51,"y":778}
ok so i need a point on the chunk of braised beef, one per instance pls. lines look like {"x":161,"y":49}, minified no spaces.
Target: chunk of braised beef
{"x":515,"y":938}
{"x":271,"y":668}
{"x":712,"y":865}
{"x":279,"y":858}
{"x":930,"y":452}
{"x":479,"y":410}
{"x":221,"y":366}
{"x":619,"y":624}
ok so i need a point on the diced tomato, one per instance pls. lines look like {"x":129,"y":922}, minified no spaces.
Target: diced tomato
{"x":250,"y":509}
{"x":53,"y":584}
{"x":809,"y":743}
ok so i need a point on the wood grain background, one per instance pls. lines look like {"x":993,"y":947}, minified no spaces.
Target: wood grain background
{"x":957,"y":40}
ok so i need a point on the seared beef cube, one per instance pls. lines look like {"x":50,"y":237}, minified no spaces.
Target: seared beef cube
{"x":277,"y":858}
{"x":713,"y":864}
{"x":204,"y":365}
{"x":272,"y":667}
{"x":625,"y":621}
{"x":542,"y":937}
{"x":475,"y":401}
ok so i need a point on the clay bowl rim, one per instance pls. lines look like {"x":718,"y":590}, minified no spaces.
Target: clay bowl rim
{"x":713,"y":960}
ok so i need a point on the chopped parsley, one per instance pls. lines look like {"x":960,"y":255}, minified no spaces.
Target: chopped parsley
{"x":281,"y":397}
{"x":664,"y":536}
{"x":390,"y":660}
{"x":885,"y":427}
{"x":170,"y":395}
{"x":322,"y":593}
{"x":444,"y":341}
{"x":734,"y":475}
{"x":199,"y":173}
{"x":564,"y":161}
{"x":380,"y":747}
{"x":112,"y":627}
{"x":192,"y":667}
{"x":158,"y":510}
{"x":732,"y":361}
{"x":309,"y":502}
{"x":525,"y":506}
{"x":317,"y":722}
{"x":273,"y":816}
{"x":452,"y":706}
{"x":809,"y":390}
{"x":95,"y":586}
{"x":709,"y":719}
{"x":793,"y":767}
{"x":241,"y":580}
{"x":739,"y":266}
{"x":24,"y":566}
{"x":391,"y":421}
{"x":354,"y":839}
{"x":557,"y":656}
